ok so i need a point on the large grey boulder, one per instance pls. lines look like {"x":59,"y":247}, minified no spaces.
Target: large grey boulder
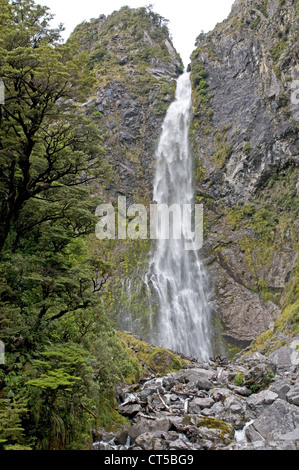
{"x":280,"y":387}
{"x":198,"y":404}
{"x":280,"y":418}
{"x":260,"y":369}
{"x":148,"y":426}
{"x":287,"y":357}
{"x":130,"y":409}
{"x":293,"y":395}
{"x":257,"y":402}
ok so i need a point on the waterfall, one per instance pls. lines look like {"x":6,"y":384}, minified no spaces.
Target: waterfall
{"x":176,"y":276}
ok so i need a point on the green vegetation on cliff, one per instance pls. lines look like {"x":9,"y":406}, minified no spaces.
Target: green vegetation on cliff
{"x":244,"y":138}
{"x":155,"y":360}
{"x":136,"y":67}
{"x":116,"y":57}
{"x":63,"y":357}
{"x":272,"y":216}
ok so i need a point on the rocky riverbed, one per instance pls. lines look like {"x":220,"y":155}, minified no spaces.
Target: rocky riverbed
{"x":251,"y":403}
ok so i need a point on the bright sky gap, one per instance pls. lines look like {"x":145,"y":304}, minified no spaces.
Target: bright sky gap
{"x":186,"y":19}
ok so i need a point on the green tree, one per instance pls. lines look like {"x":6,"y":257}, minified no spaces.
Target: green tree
{"x":11,"y":431}
{"x":46,"y":141}
{"x":62,"y":355}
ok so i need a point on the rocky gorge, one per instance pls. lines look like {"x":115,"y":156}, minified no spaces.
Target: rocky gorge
{"x":249,"y":404}
{"x":77,"y":374}
{"x":244,"y":141}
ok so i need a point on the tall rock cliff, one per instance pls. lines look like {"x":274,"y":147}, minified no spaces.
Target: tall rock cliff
{"x":136,"y":65}
{"x":244,"y":135}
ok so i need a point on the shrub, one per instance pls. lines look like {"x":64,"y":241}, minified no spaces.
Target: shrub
{"x":239,"y":380}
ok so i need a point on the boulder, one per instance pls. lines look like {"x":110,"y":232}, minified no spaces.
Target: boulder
{"x":258,"y":401}
{"x":260,"y":369}
{"x":169,"y":381}
{"x":293,"y":395}
{"x":286,"y":358}
{"x":214,"y":433}
{"x":148,"y":426}
{"x":195,"y":375}
{"x":204,"y":384}
{"x":161,"y":440}
{"x":280,"y":418}
{"x":151,"y":440}
{"x":180,"y":444}
{"x":289,"y":440}
{"x":256,"y":359}
{"x":198,"y":404}
{"x":122,"y":438}
{"x":281,"y":388}
{"x":231,"y":409}
{"x":129,"y":410}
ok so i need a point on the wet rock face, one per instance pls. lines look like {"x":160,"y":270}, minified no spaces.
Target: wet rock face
{"x":244,"y":314}
{"x":245,"y":139}
{"x":137,"y":67}
{"x":250,"y":61}
{"x":250,"y":404}
{"x":131,"y":129}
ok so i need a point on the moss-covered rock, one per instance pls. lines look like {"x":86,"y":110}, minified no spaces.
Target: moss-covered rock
{"x":224,"y":432}
{"x":286,"y":327}
{"x":152,"y":359}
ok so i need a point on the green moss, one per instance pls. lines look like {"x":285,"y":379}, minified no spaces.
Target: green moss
{"x":200,"y":95}
{"x":200,"y":172}
{"x":221,"y":155}
{"x":264,"y":290}
{"x":239,"y":380}
{"x":289,"y":319}
{"x":240,"y":215}
{"x":131,"y":369}
{"x":97,"y":56}
{"x":225,"y":430}
{"x":247,"y":147}
{"x":265,"y":381}
{"x":223,"y":150}
{"x":277,"y":72}
{"x":17,"y":447}
{"x":204,"y":199}
{"x":263,"y":8}
{"x":108,"y":418}
{"x":258,"y":254}
{"x":287,"y":323}
{"x":161,"y":108}
{"x":282,"y":100}
{"x":278,"y":49}
{"x":255,"y":23}
{"x":154,"y":359}
{"x":233,"y":351}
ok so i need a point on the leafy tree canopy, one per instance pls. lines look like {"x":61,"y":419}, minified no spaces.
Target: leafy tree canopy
{"x":59,"y":345}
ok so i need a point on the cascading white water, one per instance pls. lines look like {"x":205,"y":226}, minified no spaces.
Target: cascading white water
{"x":177,"y":276}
